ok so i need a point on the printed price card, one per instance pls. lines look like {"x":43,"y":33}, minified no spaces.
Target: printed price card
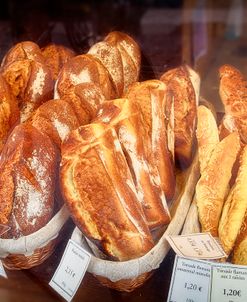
{"x":190,"y":281}
{"x":200,"y":246}
{"x":2,"y":271}
{"x":70,"y":271}
{"x":229,"y":283}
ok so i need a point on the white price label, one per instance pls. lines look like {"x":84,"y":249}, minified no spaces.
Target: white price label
{"x":229,"y":283}
{"x":2,"y":271}
{"x":190,"y":281}
{"x":70,"y":271}
{"x":200,"y":246}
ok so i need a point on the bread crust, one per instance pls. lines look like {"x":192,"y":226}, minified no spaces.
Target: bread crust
{"x":27,"y":181}
{"x":240,"y":246}
{"x":100,"y":193}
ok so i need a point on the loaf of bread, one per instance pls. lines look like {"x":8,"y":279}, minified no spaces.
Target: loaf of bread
{"x":212,"y":187}
{"x":85,"y":99}
{"x":151,"y":97}
{"x":183,"y":85}
{"x":27,"y":180}
{"x":207,"y":135}
{"x":55,"y":118}
{"x":240,"y":246}
{"x":25,"y":50}
{"x":100,"y":193}
{"x":124,"y":116}
{"x":30,"y":82}
{"x":234,"y":208}
{"x":55,"y":57}
{"x":233,"y":93}
{"x":9,"y":111}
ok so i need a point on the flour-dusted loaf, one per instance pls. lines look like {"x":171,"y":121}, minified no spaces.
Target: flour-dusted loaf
{"x":100,"y":193}
{"x":151,"y":96}
{"x":183,"y":85}
{"x":234,"y":208}
{"x":27,"y":181}
{"x":124,"y":115}
{"x":30,"y":82}
{"x":9,"y":111}
{"x":212,"y":187}
{"x":56,"y":56}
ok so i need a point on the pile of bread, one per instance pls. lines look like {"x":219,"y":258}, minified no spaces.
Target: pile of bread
{"x":221,"y":192}
{"x":82,"y":125}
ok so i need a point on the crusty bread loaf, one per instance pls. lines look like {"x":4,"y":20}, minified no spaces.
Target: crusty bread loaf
{"x":151,"y":97}
{"x":55,"y":57}
{"x":22,"y":51}
{"x":234,"y":208}
{"x":27,"y":181}
{"x":85,"y":99}
{"x":240,"y":247}
{"x":183,"y":84}
{"x":207,"y":135}
{"x":124,"y":116}
{"x":9,"y":111}
{"x":100,"y":192}
{"x":84,"y":69}
{"x":30,"y":82}
{"x":212,"y":187}
{"x":56,"y":118}
{"x":233,"y":93}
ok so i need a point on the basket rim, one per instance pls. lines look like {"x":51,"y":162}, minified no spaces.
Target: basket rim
{"x":26,"y":245}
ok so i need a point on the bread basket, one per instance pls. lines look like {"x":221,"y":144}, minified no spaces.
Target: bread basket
{"x":29,"y":251}
{"x":128,"y":275}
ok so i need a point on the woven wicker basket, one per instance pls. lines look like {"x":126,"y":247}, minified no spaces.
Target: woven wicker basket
{"x":34,"y":249}
{"x":128,"y":275}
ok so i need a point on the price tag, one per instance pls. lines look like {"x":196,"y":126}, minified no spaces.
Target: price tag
{"x":70,"y":271}
{"x":229,"y":283}
{"x":200,"y":246}
{"x":190,"y":281}
{"x":2,"y":271}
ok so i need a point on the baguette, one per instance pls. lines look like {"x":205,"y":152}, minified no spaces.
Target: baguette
{"x":240,"y":246}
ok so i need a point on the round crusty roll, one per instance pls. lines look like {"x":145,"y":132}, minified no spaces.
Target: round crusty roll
{"x":55,"y":57}
{"x":85,"y":99}
{"x":121,"y":56}
{"x":56,"y":118}
{"x":83,"y":69}
{"x":27,"y":180}
{"x":9,"y":111}
{"x":30,"y":82}
{"x":22,"y":51}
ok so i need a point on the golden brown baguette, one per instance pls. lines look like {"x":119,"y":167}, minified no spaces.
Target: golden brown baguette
{"x":240,"y":247}
{"x":183,"y":85}
{"x":55,"y":57}
{"x":124,"y":116}
{"x":30,"y":82}
{"x":212,"y":186}
{"x":100,"y":192}
{"x":84,"y":69}
{"x":152,"y":99}
{"x":27,"y":181}
{"x":9,"y":111}
{"x":234,"y":208}
{"x":207,"y":135}
{"x":55,"y":118}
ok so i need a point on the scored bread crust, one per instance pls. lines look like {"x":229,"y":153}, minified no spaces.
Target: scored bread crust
{"x":27,"y":180}
{"x":152,"y":100}
{"x":207,"y":135}
{"x":212,"y":186}
{"x":124,"y":116}
{"x":100,"y":192}
{"x":180,"y":87}
{"x":240,"y":246}
{"x":9,"y":111}
{"x":235,"y":207}
{"x":84,"y":69}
